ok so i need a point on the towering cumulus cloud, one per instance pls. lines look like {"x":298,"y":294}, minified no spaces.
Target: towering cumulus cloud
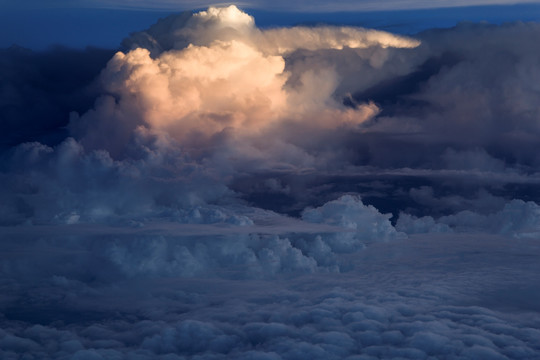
{"x":198,"y":75}
{"x":219,"y":191}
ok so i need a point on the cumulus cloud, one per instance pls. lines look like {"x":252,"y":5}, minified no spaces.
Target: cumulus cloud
{"x":517,"y":218}
{"x":366,"y":223}
{"x":69,"y":185}
{"x":395,"y":304}
{"x":205,"y":112}
{"x":243,"y":193}
{"x":197,"y":75}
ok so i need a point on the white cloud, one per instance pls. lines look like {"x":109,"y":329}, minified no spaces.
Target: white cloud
{"x":194,"y":77}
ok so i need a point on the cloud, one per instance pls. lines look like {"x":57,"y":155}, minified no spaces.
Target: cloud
{"x":349,"y":212}
{"x":206,"y":109}
{"x":233,"y":192}
{"x":517,"y":218}
{"x":196,"y":76}
{"x":68,"y":184}
{"x":394,"y":304}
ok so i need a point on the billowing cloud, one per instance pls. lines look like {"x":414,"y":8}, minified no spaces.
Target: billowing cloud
{"x":235,"y":192}
{"x":435,"y":296}
{"x":199,"y":75}
{"x":206,"y":109}
{"x":517,"y":218}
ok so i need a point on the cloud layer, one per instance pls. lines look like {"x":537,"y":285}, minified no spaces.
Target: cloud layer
{"x":326,"y":191}
{"x":451,"y":297}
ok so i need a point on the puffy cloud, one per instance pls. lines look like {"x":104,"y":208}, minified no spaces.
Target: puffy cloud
{"x":234,"y":99}
{"x":517,"y":218}
{"x":426,"y":224}
{"x":394,"y":304}
{"x":203,"y":110}
{"x":365,"y":223}
{"x":234,"y":256}
{"x":195,"y":76}
{"x":68,"y":185}
{"x":146,"y":232}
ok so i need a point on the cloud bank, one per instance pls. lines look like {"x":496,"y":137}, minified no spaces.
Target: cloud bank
{"x":204,"y":119}
{"x":216,"y":190}
{"x":419,"y":304}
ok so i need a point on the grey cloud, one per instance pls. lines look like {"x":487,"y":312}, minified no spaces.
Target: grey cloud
{"x":517,"y":218}
{"x":378,"y":311}
{"x":203,"y":208}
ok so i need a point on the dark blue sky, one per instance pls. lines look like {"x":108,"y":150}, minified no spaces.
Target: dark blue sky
{"x":38,"y":28}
